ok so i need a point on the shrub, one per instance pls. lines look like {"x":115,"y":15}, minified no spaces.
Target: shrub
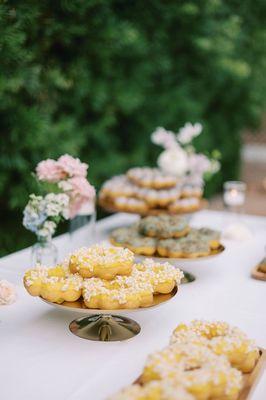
{"x":94,"y":78}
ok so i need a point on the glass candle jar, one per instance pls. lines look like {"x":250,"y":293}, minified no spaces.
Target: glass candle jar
{"x":234,"y":195}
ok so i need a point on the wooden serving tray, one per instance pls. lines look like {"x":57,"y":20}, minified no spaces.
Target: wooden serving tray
{"x":110,"y":207}
{"x":256,"y":274}
{"x":250,"y":380}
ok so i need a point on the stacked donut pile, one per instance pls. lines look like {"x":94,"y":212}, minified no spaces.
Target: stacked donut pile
{"x":167,"y":236}
{"x":103,"y":278}
{"x":147,"y":190}
{"x":204,"y":361}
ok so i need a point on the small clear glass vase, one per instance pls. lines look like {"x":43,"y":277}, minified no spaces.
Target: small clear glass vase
{"x":82,"y":228}
{"x":44,"y":252}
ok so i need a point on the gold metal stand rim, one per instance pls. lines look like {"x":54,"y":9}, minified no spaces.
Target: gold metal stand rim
{"x":105,"y":328}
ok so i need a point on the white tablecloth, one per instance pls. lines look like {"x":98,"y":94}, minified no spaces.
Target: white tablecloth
{"x":41,"y":359}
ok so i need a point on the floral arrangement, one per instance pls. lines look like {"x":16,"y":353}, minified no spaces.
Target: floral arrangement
{"x":179,"y":156}
{"x":43,"y":213}
{"x":69,"y":175}
{"x":65,"y":190}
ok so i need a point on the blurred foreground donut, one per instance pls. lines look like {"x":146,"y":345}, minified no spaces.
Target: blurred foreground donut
{"x":221,"y":338}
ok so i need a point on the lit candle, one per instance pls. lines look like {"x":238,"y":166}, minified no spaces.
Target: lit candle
{"x":234,"y":198}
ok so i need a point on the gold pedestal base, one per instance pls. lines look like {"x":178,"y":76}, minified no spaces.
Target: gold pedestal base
{"x":104,"y":327}
{"x":188,"y":278}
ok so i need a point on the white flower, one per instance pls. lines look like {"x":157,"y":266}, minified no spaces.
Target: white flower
{"x":47,"y":230}
{"x":173,"y":161}
{"x":188,"y":132}
{"x":163,"y":138}
{"x":7,"y":292}
{"x":198,"y":164}
{"x":56,"y":204}
{"x":63,"y":199}
{"x":52,"y":209}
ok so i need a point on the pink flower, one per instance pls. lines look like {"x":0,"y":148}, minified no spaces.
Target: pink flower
{"x":81,"y":188}
{"x":72,"y":166}
{"x":81,"y":192}
{"x":49,"y":171}
{"x":7,"y":292}
{"x":75,"y":206}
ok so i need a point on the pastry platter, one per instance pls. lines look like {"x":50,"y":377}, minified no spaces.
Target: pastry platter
{"x":107,"y":325}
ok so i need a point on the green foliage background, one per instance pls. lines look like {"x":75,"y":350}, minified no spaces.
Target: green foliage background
{"x":94,"y":78}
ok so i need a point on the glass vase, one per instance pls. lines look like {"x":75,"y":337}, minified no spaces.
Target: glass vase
{"x":44,"y":252}
{"x":82,"y":227}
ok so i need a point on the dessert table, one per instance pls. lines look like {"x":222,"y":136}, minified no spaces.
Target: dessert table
{"x":41,"y":359}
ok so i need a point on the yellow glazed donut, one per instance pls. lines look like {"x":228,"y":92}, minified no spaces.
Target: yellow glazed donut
{"x":203,"y":373}
{"x":53,"y":284}
{"x":102,"y":262}
{"x":221,"y":338}
{"x":120,"y":293}
{"x":156,"y":390}
{"x":163,"y":276}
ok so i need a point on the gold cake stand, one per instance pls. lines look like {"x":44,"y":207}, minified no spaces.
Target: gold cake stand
{"x":103,"y":325}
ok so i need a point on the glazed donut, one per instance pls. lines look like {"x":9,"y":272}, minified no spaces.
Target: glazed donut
{"x":191,"y":191}
{"x":130,"y":238}
{"x":210,"y":235}
{"x":121,"y":236}
{"x":203,"y":373}
{"x":151,"y":178}
{"x":120,"y":293}
{"x":118,"y":186}
{"x":156,"y":390}
{"x":102,"y":262}
{"x":155,"y":198}
{"x":164,"y":226}
{"x":142,"y":245}
{"x":163,"y":276}
{"x":183,"y":248}
{"x":185,"y":205}
{"x":194,"y":248}
{"x":130,"y":204}
{"x":134,"y":291}
{"x":53,"y":284}
{"x":221,"y":338}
